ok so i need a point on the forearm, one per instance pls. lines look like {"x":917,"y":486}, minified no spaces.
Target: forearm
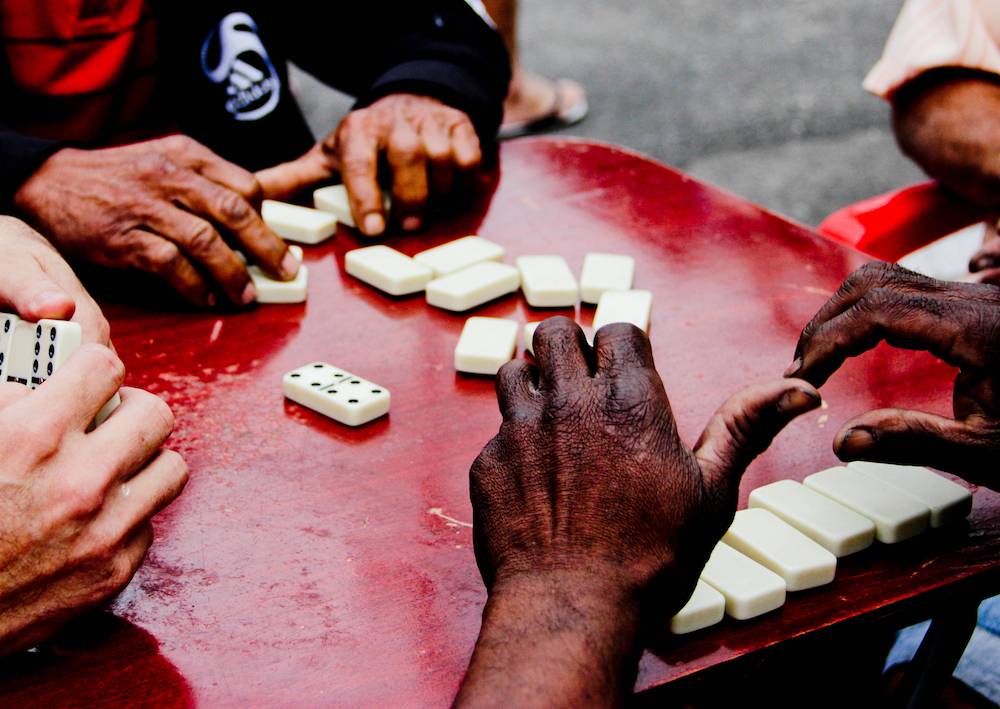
{"x":554,"y":639}
{"x":949,"y":124}
{"x":20,"y":157}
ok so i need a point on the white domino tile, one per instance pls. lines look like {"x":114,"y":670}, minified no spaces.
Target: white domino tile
{"x":838,"y":529}
{"x":295,"y":223}
{"x":270,"y":290}
{"x":786,"y":551}
{"x":529,"y":336}
{"x":387,"y":269}
{"x":21,"y":353}
{"x":604,"y":272}
{"x":473,"y":286}
{"x":631,"y":306}
{"x":897,"y":517}
{"x":8,"y":323}
{"x":750,"y":589}
{"x":55,"y":342}
{"x":107,"y":410}
{"x":547,"y":282}
{"x":336,"y":393}
{"x":706,"y":607}
{"x":459,"y":254}
{"x":486,"y":344}
{"x":948,"y":501}
{"x":30,"y":353}
{"x":334,"y":199}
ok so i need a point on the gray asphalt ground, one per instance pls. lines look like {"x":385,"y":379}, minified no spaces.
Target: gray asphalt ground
{"x":762,"y":98}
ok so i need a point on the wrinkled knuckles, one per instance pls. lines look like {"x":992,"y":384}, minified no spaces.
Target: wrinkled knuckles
{"x":202,"y":239}
{"x":163,"y":259}
{"x":155,"y":165}
{"x":179,"y":143}
{"x":233,"y":207}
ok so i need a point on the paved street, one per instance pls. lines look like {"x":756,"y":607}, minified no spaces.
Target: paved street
{"x":762,"y":98}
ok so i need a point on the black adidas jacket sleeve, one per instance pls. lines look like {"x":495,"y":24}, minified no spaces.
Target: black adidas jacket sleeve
{"x":224,"y":74}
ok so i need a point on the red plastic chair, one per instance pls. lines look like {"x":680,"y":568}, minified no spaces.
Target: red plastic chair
{"x":894,"y":224}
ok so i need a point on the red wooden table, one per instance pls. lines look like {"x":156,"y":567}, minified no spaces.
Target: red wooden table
{"x":312,"y":564}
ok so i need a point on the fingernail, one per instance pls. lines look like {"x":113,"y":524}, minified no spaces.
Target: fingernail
{"x":374,"y":224}
{"x":797,"y":401}
{"x":48,"y":299}
{"x":211,"y":300}
{"x":794,"y":367}
{"x":249,"y":294}
{"x":411,"y":223}
{"x":857,"y":440}
{"x":289,"y":264}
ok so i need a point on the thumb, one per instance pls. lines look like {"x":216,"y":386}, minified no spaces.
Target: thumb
{"x":745,"y":426}
{"x":31,"y":292}
{"x":965,"y":448}
{"x":289,"y":178}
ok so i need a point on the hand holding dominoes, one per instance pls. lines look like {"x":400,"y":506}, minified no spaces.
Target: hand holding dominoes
{"x":76,"y":505}
{"x":958,"y":322}
{"x":589,"y":510}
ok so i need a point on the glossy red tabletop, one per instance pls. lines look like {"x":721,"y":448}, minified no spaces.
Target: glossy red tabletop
{"x":312,"y":564}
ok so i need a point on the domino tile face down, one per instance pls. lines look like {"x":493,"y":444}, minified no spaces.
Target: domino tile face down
{"x":750,"y":589}
{"x":547,"y":281}
{"x":8,"y":324}
{"x":473,"y":286}
{"x":631,"y":306}
{"x":897,"y":517}
{"x":486,"y":344}
{"x":335,"y":393}
{"x":838,"y":529}
{"x":604,"y":272}
{"x":272,"y":291}
{"x":459,"y":254}
{"x":786,"y":551}
{"x":295,"y":223}
{"x":705,"y":607}
{"x":387,"y":269}
{"x":948,"y":501}
{"x":334,"y":199}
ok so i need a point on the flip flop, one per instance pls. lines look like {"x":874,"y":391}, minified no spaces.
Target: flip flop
{"x":560,"y":115}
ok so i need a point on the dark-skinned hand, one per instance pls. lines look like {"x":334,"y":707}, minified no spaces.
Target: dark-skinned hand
{"x":169,"y":206}
{"x":958,"y":323}
{"x":589,"y":511}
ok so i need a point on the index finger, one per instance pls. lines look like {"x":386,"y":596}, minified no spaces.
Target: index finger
{"x":72,"y":396}
{"x":358,"y":157}
{"x":854,"y":288}
{"x":903,"y":320}
{"x":231,"y":211}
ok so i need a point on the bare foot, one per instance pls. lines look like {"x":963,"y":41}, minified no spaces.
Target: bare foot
{"x":534,"y":99}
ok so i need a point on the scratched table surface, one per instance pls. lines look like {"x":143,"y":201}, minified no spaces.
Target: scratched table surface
{"x":308,"y":563}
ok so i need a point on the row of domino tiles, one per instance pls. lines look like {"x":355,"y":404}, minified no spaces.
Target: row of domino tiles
{"x":31,"y":352}
{"x":791,"y":535}
{"x":458,"y":276}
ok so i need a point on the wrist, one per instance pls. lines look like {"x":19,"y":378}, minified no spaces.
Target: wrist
{"x":576,"y":601}
{"x":556,"y":637}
